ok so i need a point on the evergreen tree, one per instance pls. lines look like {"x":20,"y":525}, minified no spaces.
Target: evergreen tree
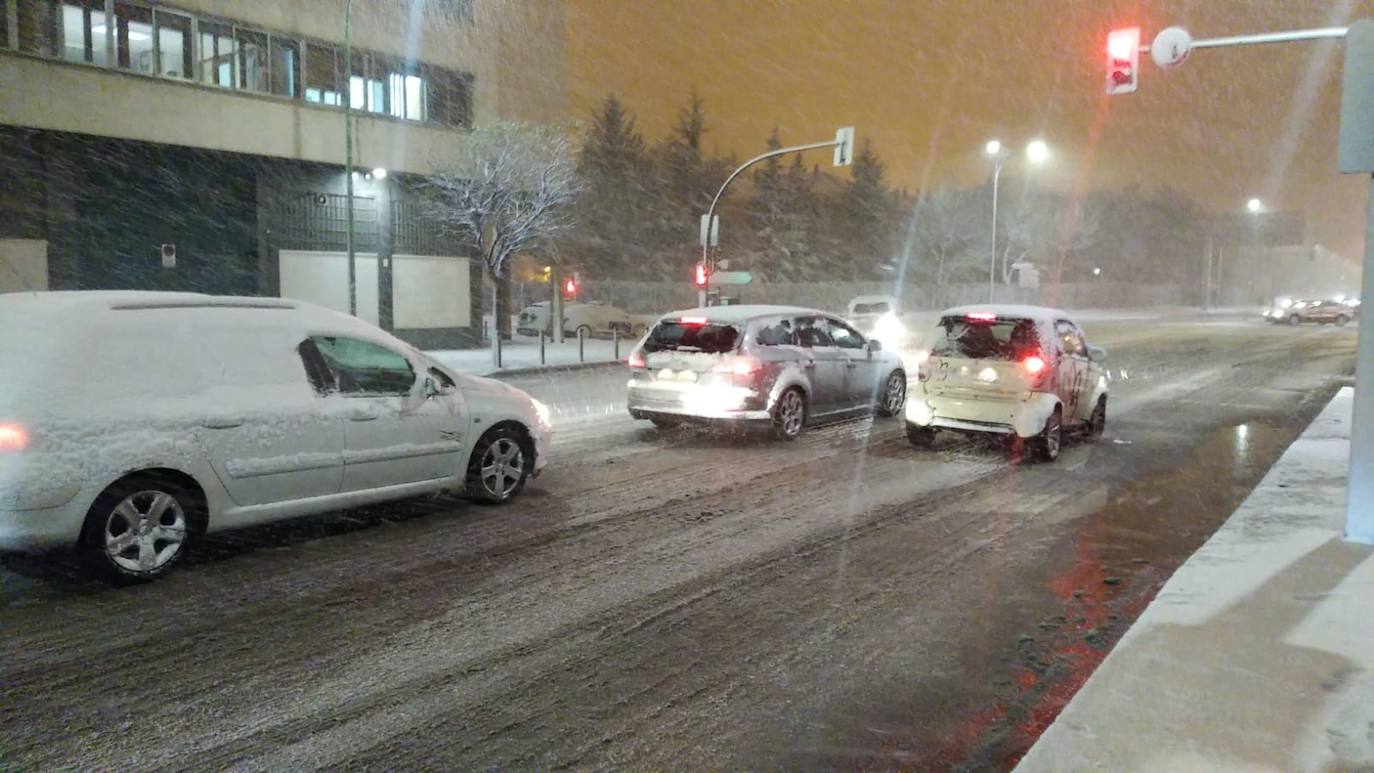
{"x":867,"y":214}
{"x":617,"y":173}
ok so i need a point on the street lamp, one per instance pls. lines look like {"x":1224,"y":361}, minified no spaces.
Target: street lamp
{"x":1037,"y":152}
{"x":1255,"y":206}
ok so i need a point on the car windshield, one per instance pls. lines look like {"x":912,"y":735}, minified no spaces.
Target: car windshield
{"x":1002,"y":339}
{"x":677,"y":336}
{"x":871,"y":308}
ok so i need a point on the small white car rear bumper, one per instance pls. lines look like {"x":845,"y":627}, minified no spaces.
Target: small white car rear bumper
{"x":1026,"y":418}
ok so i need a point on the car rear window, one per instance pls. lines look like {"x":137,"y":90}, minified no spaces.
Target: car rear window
{"x":1001,"y":339}
{"x":676,"y":336}
{"x":870,"y":308}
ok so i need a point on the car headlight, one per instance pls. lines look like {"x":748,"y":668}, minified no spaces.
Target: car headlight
{"x":542,"y":411}
{"x":889,"y":329}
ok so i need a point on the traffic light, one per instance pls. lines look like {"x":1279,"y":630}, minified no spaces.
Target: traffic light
{"x":1123,"y":60}
{"x":570,"y":287}
{"x":702,"y":275}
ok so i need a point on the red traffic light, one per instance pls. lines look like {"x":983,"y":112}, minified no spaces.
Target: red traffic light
{"x":570,"y":287}
{"x":702,"y":275}
{"x":1123,"y":60}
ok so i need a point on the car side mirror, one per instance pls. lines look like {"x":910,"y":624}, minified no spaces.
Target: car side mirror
{"x":431,"y":388}
{"x":1096,"y":353}
{"x":874,"y":345}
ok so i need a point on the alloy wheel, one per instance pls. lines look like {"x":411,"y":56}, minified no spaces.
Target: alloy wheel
{"x":503,"y":467}
{"x":144,"y":532}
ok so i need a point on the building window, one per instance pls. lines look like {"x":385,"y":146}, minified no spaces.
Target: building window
{"x":322,"y":75}
{"x":174,"y":45}
{"x":449,"y":97}
{"x":74,"y":30}
{"x":4,"y":25}
{"x":366,"y":89}
{"x":404,"y":90}
{"x":134,"y":38}
{"x":286,"y":65}
{"x":218,"y":55}
{"x":252,"y":47}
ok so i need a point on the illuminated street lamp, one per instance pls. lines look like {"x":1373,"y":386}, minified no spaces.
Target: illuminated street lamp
{"x":1255,"y":206}
{"x":1037,"y":152}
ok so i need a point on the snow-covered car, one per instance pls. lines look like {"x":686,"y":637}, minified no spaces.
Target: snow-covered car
{"x":776,"y":366}
{"x":1023,"y":371}
{"x":592,"y":320}
{"x":131,"y":422}
{"x":1328,"y":312}
{"x":880,"y":317}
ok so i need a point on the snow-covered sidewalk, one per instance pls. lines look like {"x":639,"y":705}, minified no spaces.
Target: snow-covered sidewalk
{"x":1258,"y":654}
{"x":522,"y":353}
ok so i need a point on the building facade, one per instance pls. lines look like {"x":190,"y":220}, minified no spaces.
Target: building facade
{"x":199,"y":145}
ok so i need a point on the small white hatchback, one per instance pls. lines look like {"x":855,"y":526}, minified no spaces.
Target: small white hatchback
{"x":1022,"y":371}
{"x":130,"y":422}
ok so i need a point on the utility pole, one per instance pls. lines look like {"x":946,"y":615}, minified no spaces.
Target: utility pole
{"x":348,"y":156}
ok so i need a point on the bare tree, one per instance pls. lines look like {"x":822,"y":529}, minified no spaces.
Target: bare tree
{"x":506,"y":188}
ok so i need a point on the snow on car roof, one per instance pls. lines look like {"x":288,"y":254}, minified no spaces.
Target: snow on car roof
{"x":1039,"y":313}
{"x":736,"y":315}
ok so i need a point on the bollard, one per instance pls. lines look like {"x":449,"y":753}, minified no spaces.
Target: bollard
{"x":541,"y":347}
{"x":497,"y":333}
{"x":581,"y":346}
{"x":615,"y":340}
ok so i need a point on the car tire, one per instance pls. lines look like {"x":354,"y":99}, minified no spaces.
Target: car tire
{"x":138,"y":528}
{"x":920,"y":437}
{"x":1097,"y":423}
{"x":1293,"y":319}
{"x":1342,"y":320}
{"x":1050,"y":441}
{"x":666,"y":422}
{"x":789,"y":415}
{"x":893,"y":397}
{"x":499,"y":466}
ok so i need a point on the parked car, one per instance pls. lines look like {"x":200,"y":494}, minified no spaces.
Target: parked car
{"x":592,"y":320}
{"x":1318,"y":311}
{"x":1022,"y":371}
{"x":880,"y":317}
{"x":774,"y":366}
{"x":132,"y":422}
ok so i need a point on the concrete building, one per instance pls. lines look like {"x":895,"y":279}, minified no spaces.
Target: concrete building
{"x":199,"y":144}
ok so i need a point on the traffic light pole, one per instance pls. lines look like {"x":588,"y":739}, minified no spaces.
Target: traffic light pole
{"x":841,"y":140}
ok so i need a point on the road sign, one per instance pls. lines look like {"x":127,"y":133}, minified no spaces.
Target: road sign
{"x":1356,"y":145}
{"x":730,"y":278}
{"x":710,"y":230}
{"x":1172,"y":45}
{"x":1123,"y":60}
{"x":844,"y":146}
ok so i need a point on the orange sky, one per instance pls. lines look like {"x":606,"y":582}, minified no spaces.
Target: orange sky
{"x":929,"y":81}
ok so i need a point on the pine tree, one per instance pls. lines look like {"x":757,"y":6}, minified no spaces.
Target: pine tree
{"x":868,"y":212}
{"x":616,"y":171}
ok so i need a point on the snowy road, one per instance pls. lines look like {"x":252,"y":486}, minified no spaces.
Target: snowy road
{"x":674,"y":600}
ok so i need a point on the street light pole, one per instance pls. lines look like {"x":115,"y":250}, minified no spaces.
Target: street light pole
{"x":348,"y":155}
{"x":992,"y":258}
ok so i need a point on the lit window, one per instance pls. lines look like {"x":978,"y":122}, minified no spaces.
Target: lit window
{"x":133,"y":38}
{"x":285,"y":67}
{"x":321,"y":75}
{"x":414,"y":90}
{"x":173,"y":45}
{"x":79,"y":25}
{"x":218,"y":55}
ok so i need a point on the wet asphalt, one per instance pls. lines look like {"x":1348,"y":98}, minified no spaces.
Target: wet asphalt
{"x":675,"y":600}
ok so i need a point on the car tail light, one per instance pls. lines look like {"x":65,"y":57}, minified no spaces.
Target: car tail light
{"x":693,"y":320}
{"x":920,"y":356}
{"x":740,"y":366}
{"x":636,"y":361}
{"x":13,"y":437}
{"x":1034,"y":364}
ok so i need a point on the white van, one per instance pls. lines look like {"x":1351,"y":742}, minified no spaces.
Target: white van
{"x":131,"y":422}
{"x":591,"y":320}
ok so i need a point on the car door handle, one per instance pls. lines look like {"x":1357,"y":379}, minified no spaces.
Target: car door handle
{"x":222,"y":423}
{"x":361,"y":415}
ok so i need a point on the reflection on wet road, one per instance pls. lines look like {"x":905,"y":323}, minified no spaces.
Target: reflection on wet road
{"x":676,"y":600}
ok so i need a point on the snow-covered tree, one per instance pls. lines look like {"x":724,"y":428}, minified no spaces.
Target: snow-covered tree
{"x":506,"y":188}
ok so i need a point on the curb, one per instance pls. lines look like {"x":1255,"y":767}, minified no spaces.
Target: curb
{"x":532,"y":369}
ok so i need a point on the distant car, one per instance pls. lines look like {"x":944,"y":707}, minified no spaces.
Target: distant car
{"x":591,"y":320}
{"x":132,"y":422}
{"x":880,"y":317}
{"x":1022,"y":371}
{"x":773,"y":366}
{"x":1315,"y":311}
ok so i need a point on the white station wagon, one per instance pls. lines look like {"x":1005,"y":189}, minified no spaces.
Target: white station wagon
{"x":1022,"y":371}
{"x":131,"y":422}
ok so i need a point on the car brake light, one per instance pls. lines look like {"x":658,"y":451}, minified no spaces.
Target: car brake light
{"x":636,"y":360}
{"x":1033,"y":364}
{"x":13,"y":437}
{"x":982,"y":316}
{"x":920,"y":356}
{"x":693,"y":320}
